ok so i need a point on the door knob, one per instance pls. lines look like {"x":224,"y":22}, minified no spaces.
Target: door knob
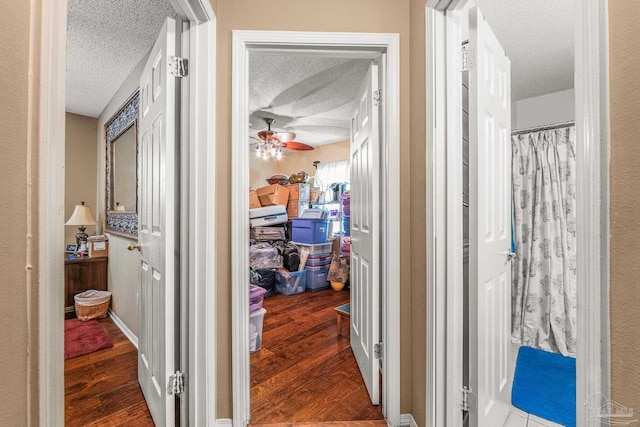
{"x":133,"y":246}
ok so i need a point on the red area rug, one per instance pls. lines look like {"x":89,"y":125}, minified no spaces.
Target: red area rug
{"x":84,"y":338}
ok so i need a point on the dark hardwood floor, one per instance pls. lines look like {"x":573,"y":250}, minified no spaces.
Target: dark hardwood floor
{"x":101,"y":388}
{"x":304,"y":375}
{"x":305,"y":372}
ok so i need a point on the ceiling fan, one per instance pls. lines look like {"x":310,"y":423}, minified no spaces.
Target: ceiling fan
{"x":273,"y":141}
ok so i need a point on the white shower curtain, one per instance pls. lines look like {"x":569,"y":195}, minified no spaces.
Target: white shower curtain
{"x":544,"y":270}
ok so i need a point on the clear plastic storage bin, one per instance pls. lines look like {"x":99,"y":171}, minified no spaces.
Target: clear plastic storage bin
{"x":291,"y":282}
{"x":256,"y":320}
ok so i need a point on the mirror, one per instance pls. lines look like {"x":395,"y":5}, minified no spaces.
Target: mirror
{"x":121,"y":190}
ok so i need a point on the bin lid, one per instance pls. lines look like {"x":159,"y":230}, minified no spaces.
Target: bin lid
{"x":314,"y":213}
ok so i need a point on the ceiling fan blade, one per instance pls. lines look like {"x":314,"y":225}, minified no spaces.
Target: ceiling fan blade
{"x":281,"y":135}
{"x":294,"y":145}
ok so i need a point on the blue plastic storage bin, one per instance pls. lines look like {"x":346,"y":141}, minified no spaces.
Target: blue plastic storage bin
{"x":346,"y":225}
{"x":310,"y":230}
{"x":317,"y":278}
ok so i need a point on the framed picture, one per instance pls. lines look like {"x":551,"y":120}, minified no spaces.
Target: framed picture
{"x":71,"y":249}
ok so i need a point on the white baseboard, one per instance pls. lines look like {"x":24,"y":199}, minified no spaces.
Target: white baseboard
{"x":120,"y":324}
{"x":224,"y":422}
{"x":407,"y":420}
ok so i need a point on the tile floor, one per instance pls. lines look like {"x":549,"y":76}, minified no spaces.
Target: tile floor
{"x":519,"y":418}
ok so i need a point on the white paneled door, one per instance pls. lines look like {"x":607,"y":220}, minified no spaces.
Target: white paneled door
{"x":489,"y":224}
{"x":156,"y":228}
{"x":365,"y":214}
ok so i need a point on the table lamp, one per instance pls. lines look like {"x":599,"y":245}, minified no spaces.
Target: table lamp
{"x":81,"y":216}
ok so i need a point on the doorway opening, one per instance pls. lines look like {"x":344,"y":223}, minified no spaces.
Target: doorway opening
{"x":447,"y":58}
{"x":337,"y":45}
{"x":327,"y":102}
{"x":198,"y":277}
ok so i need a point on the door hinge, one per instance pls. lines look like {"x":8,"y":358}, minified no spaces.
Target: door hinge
{"x":468,"y":58}
{"x":176,"y":384}
{"x":179,"y":67}
{"x":465,"y":399}
{"x":469,"y":399}
{"x":377,"y":97}
{"x":377,"y":350}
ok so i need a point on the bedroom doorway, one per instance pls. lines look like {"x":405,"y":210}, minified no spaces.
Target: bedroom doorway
{"x":349,"y":45}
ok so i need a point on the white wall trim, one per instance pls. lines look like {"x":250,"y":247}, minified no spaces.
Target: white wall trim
{"x":436,"y":122}
{"x":407,"y":420}
{"x":224,"y":422}
{"x":198,"y":231}
{"x":125,"y":330}
{"x":592,"y":197}
{"x":51,"y":164}
{"x":242,"y":42}
{"x":592,"y":125}
{"x":198,"y":213}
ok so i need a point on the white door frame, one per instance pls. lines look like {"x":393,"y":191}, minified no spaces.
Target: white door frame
{"x":243,"y":42}
{"x":444,"y":284}
{"x":197,"y":228}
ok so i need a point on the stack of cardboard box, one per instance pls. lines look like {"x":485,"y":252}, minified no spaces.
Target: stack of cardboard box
{"x":298,"y":199}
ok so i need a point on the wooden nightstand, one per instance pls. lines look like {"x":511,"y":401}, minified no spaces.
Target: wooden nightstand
{"x":82,"y":274}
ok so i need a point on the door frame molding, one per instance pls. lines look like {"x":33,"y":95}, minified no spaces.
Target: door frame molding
{"x":243,"y":42}
{"x":197,"y":227}
{"x":444,"y":287}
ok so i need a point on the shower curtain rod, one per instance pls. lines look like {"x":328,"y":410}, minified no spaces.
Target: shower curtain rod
{"x":546,"y":127}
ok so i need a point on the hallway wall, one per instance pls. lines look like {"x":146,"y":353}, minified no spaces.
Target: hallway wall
{"x":624,"y":86}
{"x":19,"y":212}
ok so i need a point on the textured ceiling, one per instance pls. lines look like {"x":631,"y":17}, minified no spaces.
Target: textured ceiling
{"x":105,"y":41}
{"x":538,"y":37}
{"x":310,"y":95}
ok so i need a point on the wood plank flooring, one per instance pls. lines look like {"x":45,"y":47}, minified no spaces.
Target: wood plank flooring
{"x":101,"y":388}
{"x":305,"y":372}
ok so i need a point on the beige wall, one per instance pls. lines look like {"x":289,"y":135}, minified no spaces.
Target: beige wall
{"x":390,"y":16}
{"x":80,"y":172}
{"x":19,"y":80}
{"x":124,"y":282}
{"x":417,"y":336}
{"x":296,"y":161}
{"x":624,"y":85}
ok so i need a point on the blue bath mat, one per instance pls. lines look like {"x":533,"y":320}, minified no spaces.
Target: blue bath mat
{"x":545,"y":385}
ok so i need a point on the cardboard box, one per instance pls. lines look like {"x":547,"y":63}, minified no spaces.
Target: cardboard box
{"x":99,"y":249}
{"x":273,"y":195}
{"x":296,"y":207}
{"x":299,"y":192}
{"x":254,"y":201}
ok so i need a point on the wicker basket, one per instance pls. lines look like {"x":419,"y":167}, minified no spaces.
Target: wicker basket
{"x":92,"y":304}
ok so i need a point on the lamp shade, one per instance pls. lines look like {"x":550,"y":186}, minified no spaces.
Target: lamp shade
{"x":81,"y":216}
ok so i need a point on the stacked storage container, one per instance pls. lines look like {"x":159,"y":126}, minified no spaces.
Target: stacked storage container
{"x":267,"y":218}
{"x":256,"y":317}
{"x":310,"y":230}
{"x":317,"y":265}
{"x":345,"y":240}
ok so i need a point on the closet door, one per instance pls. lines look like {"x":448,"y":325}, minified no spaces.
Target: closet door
{"x":489,"y":224}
